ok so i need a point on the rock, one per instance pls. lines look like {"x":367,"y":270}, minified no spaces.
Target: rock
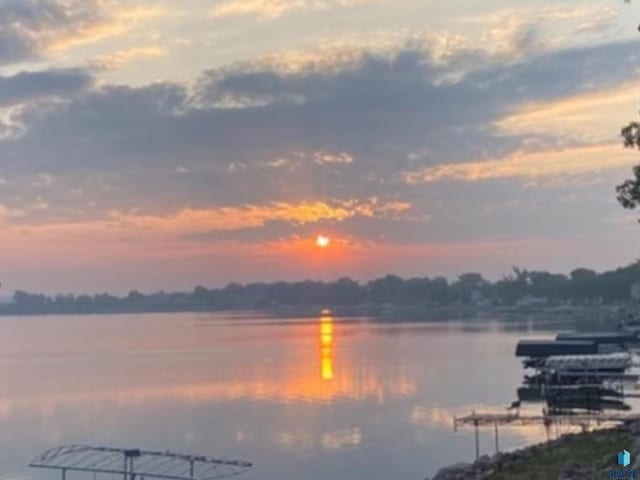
{"x":609,"y":459}
{"x":459,"y":471}
{"x":635,"y":448}
{"x":483,"y":466}
{"x":633,"y":428}
{"x":573,"y":471}
{"x":486,"y":465}
{"x":478,"y":470}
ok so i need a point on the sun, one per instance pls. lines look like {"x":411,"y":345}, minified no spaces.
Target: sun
{"x":322,"y":241}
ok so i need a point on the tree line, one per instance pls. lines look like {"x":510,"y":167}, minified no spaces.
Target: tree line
{"x":581,"y":286}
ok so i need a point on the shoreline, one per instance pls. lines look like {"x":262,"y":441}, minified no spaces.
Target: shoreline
{"x":573,"y":456}
{"x":390,"y":312}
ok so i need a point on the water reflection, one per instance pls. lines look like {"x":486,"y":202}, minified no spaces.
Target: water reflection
{"x":311,"y":398}
{"x":142,"y":361}
{"x":326,"y":347}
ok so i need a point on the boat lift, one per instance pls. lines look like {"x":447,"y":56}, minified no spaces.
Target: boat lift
{"x":569,"y":384}
{"x":136,"y":464}
{"x":495,"y":420}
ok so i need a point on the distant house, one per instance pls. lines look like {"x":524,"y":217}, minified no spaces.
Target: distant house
{"x":476,"y":296}
{"x":635,"y":291}
{"x":529,"y":301}
{"x":479,"y":300}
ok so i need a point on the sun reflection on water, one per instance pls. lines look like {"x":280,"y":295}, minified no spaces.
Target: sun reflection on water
{"x":326,"y":347}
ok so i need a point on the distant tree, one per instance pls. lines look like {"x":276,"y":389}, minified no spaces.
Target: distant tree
{"x":548,"y":285}
{"x":584,"y":284}
{"x":439,"y":291}
{"x":629,"y":191}
{"x":474,"y":280}
{"x":583,"y":274}
{"x":466,"y":285}
{"x":200,"y":292}
{"x":345,"y":292}
{"x":135,"y":296}
{"x":416,"y":290}
{"x":30,"y":300}
{"x":386,"y":290}
{"x":279,"y":293}
{"x":513,"y":286}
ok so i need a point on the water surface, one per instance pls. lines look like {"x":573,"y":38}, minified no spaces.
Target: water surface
{"x":301,"y":398}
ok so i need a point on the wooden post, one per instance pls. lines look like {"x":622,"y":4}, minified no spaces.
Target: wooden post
{"x":495,"y":426}
{"x":475,"y":422}
{"x":547,"y":423}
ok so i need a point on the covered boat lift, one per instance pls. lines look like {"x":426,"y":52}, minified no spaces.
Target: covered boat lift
{"x":547,"y":348}
{"x":607,"y":342}
{"x":613,"y":362}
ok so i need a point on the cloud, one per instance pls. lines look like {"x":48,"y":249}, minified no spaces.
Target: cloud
{"x":114,"y":20}
{"x":26,"y":26}
{"x":29,"y":86}
{"x":121,"y":57}
{"x":549,"y":163}
{"x":230,"y":218}
{"x":582,"y":117}
{"x":516,"y":32}
{"x":32,"y":29}
{"x":277,"y":8}
{"x":234,"y":218}
{"x":244,"y":151}
{"x":188,"y":232}
{"x":325,"y":158}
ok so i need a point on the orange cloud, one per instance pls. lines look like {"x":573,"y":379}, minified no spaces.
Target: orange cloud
{"x":191,"y":220}
{"x":589,"y":117}
{"x":116,"y":21}
{"x":592,"y":118}
{"x":512,"y":32}
{"x":276,"y":8}
{"x":151,"y":236}
{"x":565,"y":161}
{"x":122,"y":57}
{"x":324,"y":158}
{"x":234,"y":218}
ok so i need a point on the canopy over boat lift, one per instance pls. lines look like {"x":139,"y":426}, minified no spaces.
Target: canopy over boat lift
{"x":135,"y":464}
{"x":607,"y":362}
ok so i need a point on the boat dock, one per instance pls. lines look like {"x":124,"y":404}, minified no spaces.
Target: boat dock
{"x":583,"y":379}
{"x":585,"y":421}
{"x":588,"y":419}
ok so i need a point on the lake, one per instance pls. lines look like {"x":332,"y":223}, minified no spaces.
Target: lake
{"x":319,"y":398}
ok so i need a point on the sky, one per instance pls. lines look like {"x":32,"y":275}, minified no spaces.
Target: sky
{"x":161,"y":145}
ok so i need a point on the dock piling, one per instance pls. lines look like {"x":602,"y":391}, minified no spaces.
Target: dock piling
{"x":477,"y":425}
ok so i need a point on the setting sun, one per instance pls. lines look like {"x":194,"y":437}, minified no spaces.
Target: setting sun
{"x":322,"y":241}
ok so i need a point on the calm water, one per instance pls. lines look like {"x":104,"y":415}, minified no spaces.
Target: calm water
{"x":303,"y":399}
